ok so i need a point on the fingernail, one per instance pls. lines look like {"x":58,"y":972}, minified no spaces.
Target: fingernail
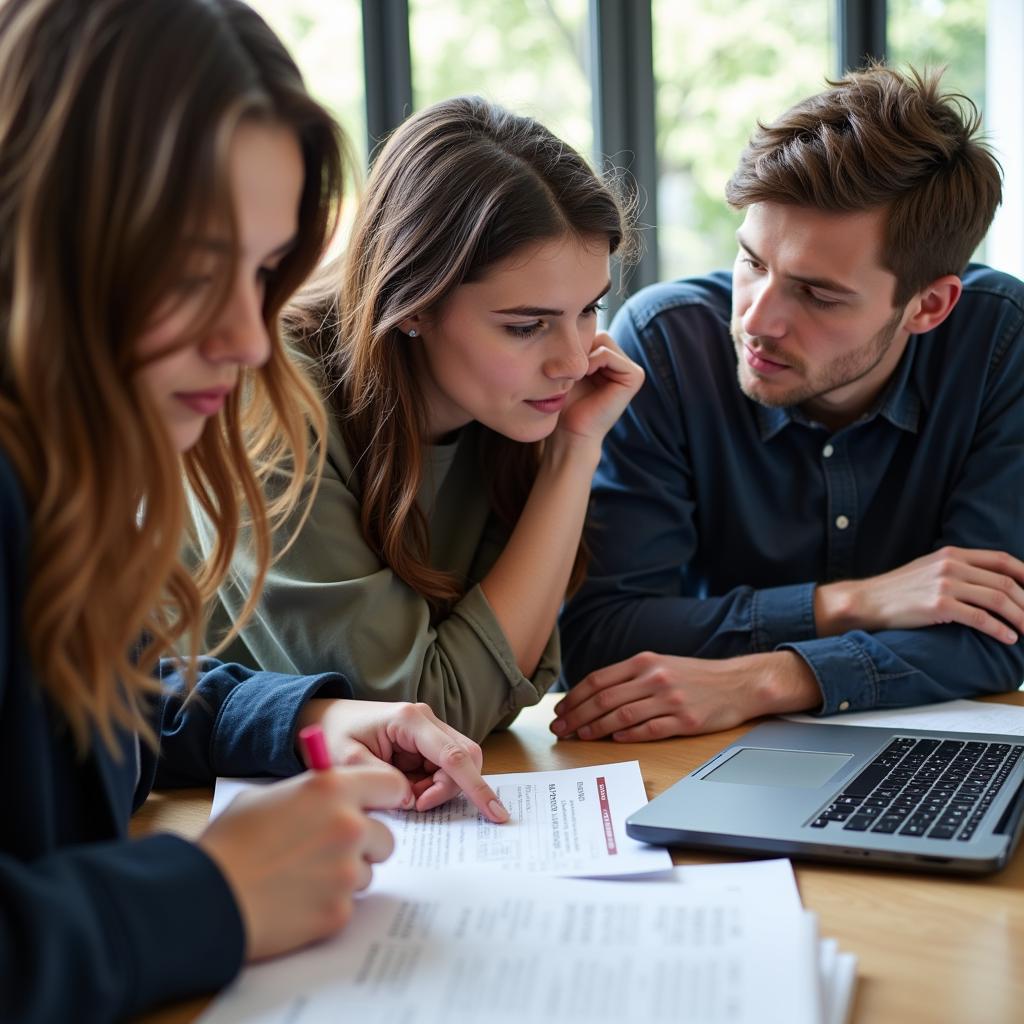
{"x":1011,"y":637}
{"x":409,"y":802}
{"x":498,"y":810}
{"x":584,"y":732}
{"x":558,"y":727}
{"x":558,"y":707}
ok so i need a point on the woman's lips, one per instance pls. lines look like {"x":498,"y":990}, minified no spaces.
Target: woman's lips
{"x":204,"y":403}
{"x":548,"y":405}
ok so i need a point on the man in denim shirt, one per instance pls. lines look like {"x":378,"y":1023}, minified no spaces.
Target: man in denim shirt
{"x":816,"y":502}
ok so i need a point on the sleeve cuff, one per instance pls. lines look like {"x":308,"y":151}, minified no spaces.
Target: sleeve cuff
{"x":254,"y":733}
{"x":523,"y":691}
{"x":782,"y":615}
{"x":844,"y":670}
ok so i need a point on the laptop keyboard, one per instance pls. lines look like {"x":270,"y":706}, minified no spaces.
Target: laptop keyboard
{"x":924,"y":787}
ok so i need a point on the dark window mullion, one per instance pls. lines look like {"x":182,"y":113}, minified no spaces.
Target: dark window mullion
{"x":622,"y":81}
{"x":387,"y":61}
{"x":860,"y":33}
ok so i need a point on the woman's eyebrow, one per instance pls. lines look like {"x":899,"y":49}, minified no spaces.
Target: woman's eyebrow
{"x":543,"y":311}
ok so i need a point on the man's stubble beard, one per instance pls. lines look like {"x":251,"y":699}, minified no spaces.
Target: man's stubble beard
{"x":846,"y":369}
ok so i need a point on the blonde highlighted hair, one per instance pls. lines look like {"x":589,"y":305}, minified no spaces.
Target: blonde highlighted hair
{"x":457,"y":188}
{"x":116,"y":118}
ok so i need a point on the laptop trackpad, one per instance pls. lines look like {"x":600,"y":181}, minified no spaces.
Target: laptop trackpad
{"x":755,"y":766}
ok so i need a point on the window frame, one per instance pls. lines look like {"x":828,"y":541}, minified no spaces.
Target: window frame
{"x":623,"y":89}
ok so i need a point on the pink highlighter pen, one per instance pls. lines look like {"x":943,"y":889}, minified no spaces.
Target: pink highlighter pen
{"x":314,"y":746}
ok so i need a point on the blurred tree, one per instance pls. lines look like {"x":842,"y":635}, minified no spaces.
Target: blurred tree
{"x":531,"y":56}
{"x":942,"y":33}
{"x":719,"y":67}
{"x":325,"y":38}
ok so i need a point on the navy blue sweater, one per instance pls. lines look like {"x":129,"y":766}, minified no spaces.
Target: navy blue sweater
{"x":95,"y":926}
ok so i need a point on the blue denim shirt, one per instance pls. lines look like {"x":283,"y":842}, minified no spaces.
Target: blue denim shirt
{"x":714,"y":517}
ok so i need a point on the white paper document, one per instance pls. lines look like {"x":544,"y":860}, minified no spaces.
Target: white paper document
{"x":569,"y":822}
{"x":838,"y":976}
{"x":770,"y":886}
{"x":456,"y":947}
{"x":947,"y":716}
{"x":466,"y":923}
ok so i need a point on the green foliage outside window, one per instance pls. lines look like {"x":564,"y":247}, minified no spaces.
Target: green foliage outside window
{"x":719,"y":66}
{"x":325,"y":38}
{"x":529,"y":55}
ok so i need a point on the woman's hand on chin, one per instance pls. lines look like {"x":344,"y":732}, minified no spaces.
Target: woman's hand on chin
{"x":598,"y":399}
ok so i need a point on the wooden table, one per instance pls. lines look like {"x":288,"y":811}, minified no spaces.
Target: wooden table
{"x":931,"y":948}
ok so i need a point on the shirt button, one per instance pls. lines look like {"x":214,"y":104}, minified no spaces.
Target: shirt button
{"x":844,"y":705}
{"x":827,"y":451}
{"x":842,"y":522}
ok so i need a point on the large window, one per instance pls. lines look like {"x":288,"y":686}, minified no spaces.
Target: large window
{"x":718,"y":68}
{"x":715,"y":78}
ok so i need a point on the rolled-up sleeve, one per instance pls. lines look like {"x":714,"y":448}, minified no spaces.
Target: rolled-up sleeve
{"x":235,"y":722}
{"x":330,"y":604}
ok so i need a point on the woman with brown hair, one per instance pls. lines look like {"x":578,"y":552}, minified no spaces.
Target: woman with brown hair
{"x":166,"y":184}
{"x":470,"y":393}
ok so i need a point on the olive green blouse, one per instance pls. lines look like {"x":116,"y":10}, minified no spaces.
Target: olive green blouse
{"x":329,"y":603}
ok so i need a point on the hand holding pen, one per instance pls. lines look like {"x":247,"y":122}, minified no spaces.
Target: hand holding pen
{"x":295,"y":854}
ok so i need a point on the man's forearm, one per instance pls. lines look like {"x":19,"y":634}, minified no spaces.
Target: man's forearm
{"x":836,"y":608}
{"x":780,"y":683}
{"x":975,"y":587}
{"x":601,"y":626}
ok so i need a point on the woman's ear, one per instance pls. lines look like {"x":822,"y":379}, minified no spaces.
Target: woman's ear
{"x":412,"y":326}
{"x":932,"y":304}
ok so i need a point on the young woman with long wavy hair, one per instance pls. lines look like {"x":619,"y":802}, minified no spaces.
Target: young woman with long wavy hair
{"x":469,"y":392}
{"x":166,"y":184}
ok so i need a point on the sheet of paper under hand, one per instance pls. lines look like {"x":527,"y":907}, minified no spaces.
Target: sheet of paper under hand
{"x":569,"y":822}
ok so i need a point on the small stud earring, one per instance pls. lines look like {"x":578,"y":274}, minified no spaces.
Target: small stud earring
{"x":414,"y":333}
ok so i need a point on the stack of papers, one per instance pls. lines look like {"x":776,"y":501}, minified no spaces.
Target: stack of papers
{"x":555,"y":916}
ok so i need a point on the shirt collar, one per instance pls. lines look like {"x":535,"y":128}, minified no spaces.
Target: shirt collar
{"x":771,"y":420}
{"x":899,"y":403}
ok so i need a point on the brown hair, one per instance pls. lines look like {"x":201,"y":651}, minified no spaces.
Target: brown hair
{"x":881,"y":138}
{"x":116,"y":118}
{"x":458,"y":187}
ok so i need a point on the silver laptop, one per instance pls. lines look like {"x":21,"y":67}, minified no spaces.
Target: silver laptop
{"x":909,"y":798}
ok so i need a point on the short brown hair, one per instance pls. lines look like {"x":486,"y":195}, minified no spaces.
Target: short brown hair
{"x":882,"y":138}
